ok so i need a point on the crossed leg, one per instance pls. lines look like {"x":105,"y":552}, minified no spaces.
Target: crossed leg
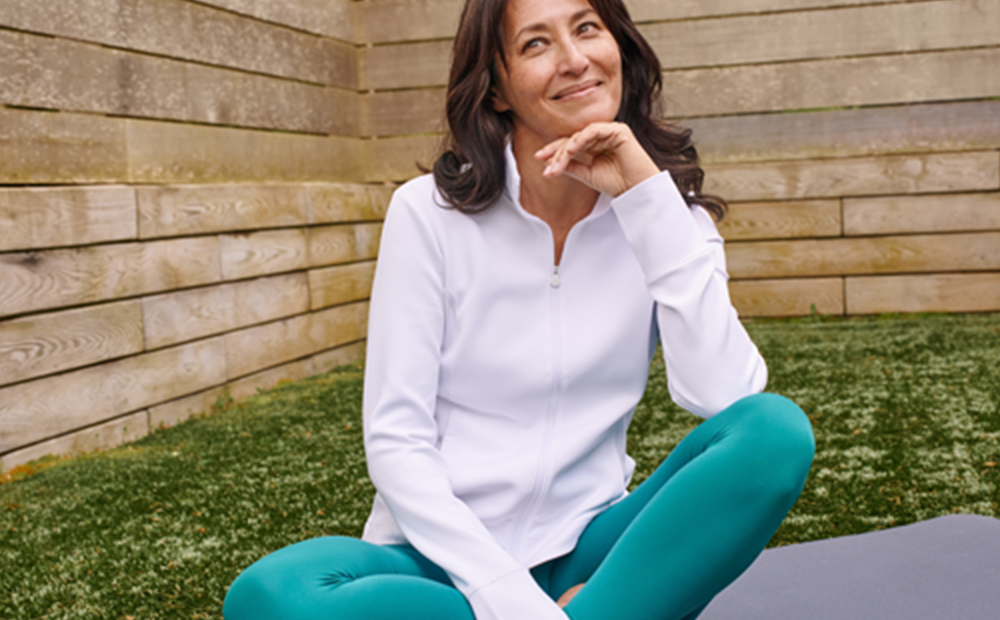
{"x":662,"y":553}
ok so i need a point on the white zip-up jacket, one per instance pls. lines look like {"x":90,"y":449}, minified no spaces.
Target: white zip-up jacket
{"x":499,"y":387}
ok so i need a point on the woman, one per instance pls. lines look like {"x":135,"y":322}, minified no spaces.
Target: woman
{"x":520,"y":293}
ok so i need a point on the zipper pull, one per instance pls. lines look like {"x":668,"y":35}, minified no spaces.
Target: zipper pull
{"x":554,"y":280}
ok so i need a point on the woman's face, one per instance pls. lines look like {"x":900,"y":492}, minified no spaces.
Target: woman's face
{"x":563,"y":69}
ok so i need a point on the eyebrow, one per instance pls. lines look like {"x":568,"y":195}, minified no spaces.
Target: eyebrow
{"x":540,"y":26}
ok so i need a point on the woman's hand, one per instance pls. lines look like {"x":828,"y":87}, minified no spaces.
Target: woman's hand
{"x":604,"y":156}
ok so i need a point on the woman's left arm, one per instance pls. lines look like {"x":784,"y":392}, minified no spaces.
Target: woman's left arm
{"x":711,"y":361}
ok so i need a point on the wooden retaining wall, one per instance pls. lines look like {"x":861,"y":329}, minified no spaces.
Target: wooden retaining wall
{"x":192,"y":191}
{"x":185,"y":210}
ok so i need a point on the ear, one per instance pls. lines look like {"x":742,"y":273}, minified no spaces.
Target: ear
{"x":499,"y":102}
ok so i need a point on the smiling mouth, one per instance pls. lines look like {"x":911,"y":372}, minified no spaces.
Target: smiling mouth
{"x":577,"y":90}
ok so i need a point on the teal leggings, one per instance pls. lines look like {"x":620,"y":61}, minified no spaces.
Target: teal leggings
{"x":662,"y":553}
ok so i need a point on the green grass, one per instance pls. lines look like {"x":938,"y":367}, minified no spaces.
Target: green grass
{"x":906,"y":412}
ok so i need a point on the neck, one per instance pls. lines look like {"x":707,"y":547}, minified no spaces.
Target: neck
{"x":560,"y":202}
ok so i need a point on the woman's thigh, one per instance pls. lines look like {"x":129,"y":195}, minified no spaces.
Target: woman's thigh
{"x":344,"y":578}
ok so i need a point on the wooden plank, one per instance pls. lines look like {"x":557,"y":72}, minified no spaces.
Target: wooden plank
{"x":780,"y":220}
{"x":787,"y":297}
{"x":877,"y":80}
{"x":339,"y":285}
{"x":250,"y":350}
{"x":99,"y":437}
{"x":43,"y":72}
{"x":387,"y":21}
{"x":863,"y":176}
{"x":329,"y":245}
{"x":333,"y":18}
{"x":915,"y":214}
{"x":174,"y":153}
{"x":328,"y":360}
{"x":410,"y":65}
{"x":831,"y":33}
{"x":347,"y":202}
{"x":957,"y":126}
{"x":47,"y":147}
{"x":267,"y":379}
{"x":403,"y":112}
{"x":953,"y":292}
{"x":168,"y":211}
{"x":397,"y":159}
{"x":189,"y":31}
{"x":187,"y":315}
{"x":44,"y":408}
{"x":33,"y":281}
{"x":35,"y":218}
{"x":176,"y":411}
{"x":865,"y":256}
{"x":261,"y":253}
{"x":44,"y":344}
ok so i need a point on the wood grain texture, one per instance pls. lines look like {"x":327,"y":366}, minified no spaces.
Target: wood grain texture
{"x":814,"y":84}
{"x":347,"y":202}
{"x":401,"y":112}
{"x":865,"y":255}
{"x":397,"y":159}
{"x":957,"y":126}
{"x":187,"y":315}
{"x":190,"y":31}
{"x":47,"y":407}
{"x":261,"y":253}
{"x":45,"y":147}
{"x":40,"y":345}
{"x":176,"y":411}
{"x":175,"y":210}
{"x":333,"y":18}
{"x":174,"y":153}
{"x":863,"y":176}
{"x":953,"y":292}
{"x":832,"y":33}
{"x":332,"y":358}
{"x":921,"y":214}
{"x":780,"y":220}
{"x":411,"y":65}
{"x":35,"y":218}
{"x":385,"y":21}
{"x":37,"y":71}
{"x":339,"y":285}
{"x":330,"y":245}
{"x":787,"y":297}
{"x":98,"y":437}
{"x":253,"y":349}
{"x":267,"y":379}
{"x":33,"y":281}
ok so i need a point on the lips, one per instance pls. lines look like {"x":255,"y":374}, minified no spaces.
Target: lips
{"x":577,"y":89}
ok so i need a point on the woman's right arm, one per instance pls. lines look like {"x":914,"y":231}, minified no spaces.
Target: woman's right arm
{"x":406,"y":326}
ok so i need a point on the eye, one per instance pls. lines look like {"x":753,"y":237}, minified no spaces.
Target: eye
{"x":532,"y":44}
{"x":587,"y":28}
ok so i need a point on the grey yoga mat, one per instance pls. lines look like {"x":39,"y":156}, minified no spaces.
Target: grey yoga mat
{"x":942,"y":569}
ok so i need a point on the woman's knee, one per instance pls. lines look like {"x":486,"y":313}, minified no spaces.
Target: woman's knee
{"x":781,"y":434}
{"x":298,"y":579}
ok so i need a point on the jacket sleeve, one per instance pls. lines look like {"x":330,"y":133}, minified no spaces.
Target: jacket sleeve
{"x":711,"y":361}
{"x":405,"y":333}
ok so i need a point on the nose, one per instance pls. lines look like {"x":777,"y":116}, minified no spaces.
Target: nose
{"x":574,"y":61}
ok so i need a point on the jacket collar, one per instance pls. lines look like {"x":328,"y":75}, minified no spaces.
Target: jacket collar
{"x":513,"y":188}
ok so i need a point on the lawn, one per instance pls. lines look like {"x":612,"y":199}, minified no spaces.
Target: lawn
{"x":906,"y":411}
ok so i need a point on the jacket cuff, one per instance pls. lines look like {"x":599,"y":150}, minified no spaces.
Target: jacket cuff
{"x":659,"y":225}
{"x":515,"y":596}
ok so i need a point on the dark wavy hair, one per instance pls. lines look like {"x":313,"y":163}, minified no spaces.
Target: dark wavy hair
{"x":470,"y":172}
